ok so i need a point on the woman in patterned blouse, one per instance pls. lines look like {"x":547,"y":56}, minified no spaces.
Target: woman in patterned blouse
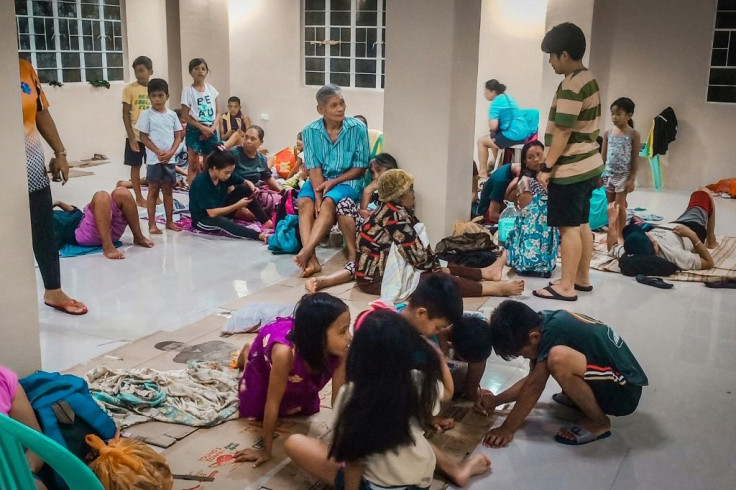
{"x":393,"y":222}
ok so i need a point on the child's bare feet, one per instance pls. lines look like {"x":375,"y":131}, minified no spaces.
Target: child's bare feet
{"x":264,"y":237}
{"x":268,"y":224}
{"x":313,"y":284}
{"x":712,"y":244}
{"x":476,"y":465}
{"x":111,"y":252}
{"x":493,"y":271}
{"x":172,"y":226}
{"x":301,"y":260}
{"x":512,"y":288}
{"x":153,"y":230}
{"x":141,"y":203}
{"x":142,"y":241}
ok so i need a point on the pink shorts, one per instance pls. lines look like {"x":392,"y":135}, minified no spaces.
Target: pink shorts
{"x":87,"y":234}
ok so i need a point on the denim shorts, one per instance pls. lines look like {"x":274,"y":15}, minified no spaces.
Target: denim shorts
{"x":159,"y":173}
{"x":337,"y":193}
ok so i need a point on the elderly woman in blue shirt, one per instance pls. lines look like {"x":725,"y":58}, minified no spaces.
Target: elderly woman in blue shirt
{"x":336,"y":157}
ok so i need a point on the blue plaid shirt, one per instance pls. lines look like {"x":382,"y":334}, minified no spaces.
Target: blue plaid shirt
{"x":348,"y":151}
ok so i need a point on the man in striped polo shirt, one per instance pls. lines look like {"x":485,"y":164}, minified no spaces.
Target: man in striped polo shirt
{"x":336,"y":157}
{"x":573,"y":165}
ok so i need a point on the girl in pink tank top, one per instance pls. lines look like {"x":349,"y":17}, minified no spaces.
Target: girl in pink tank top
{"x":290,"y":361}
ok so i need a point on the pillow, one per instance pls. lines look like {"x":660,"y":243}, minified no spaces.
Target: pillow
{"x":252,"y":316}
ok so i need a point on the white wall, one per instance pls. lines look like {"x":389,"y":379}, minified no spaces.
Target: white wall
{"x":204,"y":34}
{"x":90,"y":118}
{"x":511,"y":32}
{"x":266,"y":71}
{"x":657,"y":53}
{"x":20,"y":348}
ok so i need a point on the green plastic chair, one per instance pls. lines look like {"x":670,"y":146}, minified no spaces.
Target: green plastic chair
{"x":654,"y":164}
{"x":14,"y":471}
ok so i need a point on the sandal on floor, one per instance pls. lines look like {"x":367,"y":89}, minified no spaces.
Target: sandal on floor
{"x":564,"y":400}
{"x":657,"y":282}
{"x":65,"y":308}
{"x":582,"y":436}
{"x":554,"y":295}
{"x":578,"y":287}
{"x":724,"y":284}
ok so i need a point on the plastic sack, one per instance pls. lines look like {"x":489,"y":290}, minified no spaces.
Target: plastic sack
{"x":128,"y":463}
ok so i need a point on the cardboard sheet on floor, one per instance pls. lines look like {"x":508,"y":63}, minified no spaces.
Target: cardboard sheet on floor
{"x":143,"y":350}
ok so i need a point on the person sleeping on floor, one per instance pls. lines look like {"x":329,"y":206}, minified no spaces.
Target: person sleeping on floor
{"x":101,"y":224}
{"x":684,"y":242}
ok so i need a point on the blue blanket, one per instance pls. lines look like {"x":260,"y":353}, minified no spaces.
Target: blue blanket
{"x":77,"y":250}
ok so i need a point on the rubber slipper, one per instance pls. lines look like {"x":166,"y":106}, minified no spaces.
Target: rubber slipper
{"x":72,"y":303}
{"x":578,"y":287}
{"x":564,"y":400}
{"x":554,"y":295}
{"x":724,"y":284}
{"x":582,"y":436}
{"x":657,"y":282}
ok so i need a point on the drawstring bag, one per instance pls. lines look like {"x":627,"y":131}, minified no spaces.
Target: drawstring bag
{"x":285,"y":239}
{"x":129,"y":463}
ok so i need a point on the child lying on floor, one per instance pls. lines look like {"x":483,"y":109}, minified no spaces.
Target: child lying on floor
{"x":102,"y":222}
{"x":289,"y":362}
{"x":595,"y":368}
{"x":393,"y":389}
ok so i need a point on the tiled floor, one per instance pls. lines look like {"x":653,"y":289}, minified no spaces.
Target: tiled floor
{"x":682,"y":436}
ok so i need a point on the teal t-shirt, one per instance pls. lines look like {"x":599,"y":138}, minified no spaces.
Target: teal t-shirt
{"x":252,"y":169}
{"x":511,"y":121}
{"x":205,"y":194}
{"x":608,"y":356}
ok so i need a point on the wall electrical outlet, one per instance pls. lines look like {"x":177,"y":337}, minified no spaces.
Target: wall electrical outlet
{"x":265,"y":117}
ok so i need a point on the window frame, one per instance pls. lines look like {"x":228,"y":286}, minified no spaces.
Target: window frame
{"x":379,"y":59}
{"x":97,"y":25}
{"x":711,"y":52}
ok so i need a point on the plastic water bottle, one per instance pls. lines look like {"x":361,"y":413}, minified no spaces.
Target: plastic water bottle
{"x":506,"y":221}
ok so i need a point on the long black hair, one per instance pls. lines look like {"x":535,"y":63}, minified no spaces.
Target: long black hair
{"x":386,"y":394}
{"x":525,"y":171}
{"x":313,"y":316}
{"x":623,"y":103}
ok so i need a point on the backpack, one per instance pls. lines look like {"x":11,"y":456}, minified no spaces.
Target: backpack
{"x":66,"y":412}
{"x":269,"y":200}
{"x":286,"y":206}
{"x":468,"y":249}
{"x":532,"y":245}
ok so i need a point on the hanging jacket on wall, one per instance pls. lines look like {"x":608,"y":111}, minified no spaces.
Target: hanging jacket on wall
{"x":664,"y":132}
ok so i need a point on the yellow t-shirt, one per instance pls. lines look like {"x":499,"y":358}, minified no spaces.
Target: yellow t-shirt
{"x":136,"y":95}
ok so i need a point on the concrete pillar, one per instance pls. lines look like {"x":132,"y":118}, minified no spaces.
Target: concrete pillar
{"x":20,"y":348}
{"x":429,"y":103}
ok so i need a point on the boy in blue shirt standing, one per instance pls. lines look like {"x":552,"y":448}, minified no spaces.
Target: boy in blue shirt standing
{"x":595,"y":368}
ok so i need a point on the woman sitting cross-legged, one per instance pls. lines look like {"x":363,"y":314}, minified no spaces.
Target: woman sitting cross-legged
{"x":393,"y":222}
{"x":216,"y":197}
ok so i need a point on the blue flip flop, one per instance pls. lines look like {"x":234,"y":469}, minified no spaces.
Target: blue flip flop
{"x":582,"y":436}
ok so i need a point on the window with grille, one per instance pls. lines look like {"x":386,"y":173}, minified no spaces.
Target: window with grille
{"x":722,"y":79}
{"x":71,"y":40}
{"x":344,"y":42}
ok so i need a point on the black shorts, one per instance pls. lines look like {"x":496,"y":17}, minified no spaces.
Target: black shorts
{"x":615,"y":399}
{"x":569,"y":204}
{"x":132,"y":158}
